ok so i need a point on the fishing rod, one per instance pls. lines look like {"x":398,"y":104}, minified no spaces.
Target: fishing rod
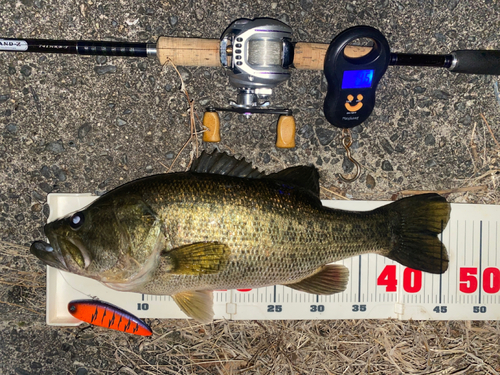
{"x":259,"y":55}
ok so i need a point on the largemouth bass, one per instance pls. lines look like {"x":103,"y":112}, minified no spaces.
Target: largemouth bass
{"x":225,"y":225}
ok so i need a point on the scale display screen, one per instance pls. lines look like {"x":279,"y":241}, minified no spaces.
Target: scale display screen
{"x":357,"y":79}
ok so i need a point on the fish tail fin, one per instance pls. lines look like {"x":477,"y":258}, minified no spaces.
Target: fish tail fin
{"x":414,"y":225}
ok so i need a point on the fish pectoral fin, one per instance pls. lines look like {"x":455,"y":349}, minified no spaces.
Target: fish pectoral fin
{"x":200,"y":258}
{"x":197,"y":304}
{"x":330,"y":279}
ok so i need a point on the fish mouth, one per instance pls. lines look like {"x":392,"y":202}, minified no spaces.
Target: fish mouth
{"x":47,"y":254}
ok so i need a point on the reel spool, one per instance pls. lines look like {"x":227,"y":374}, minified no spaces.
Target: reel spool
{"x":258,"y":54}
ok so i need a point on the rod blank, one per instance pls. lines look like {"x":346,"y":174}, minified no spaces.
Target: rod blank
{"x":206,"y":52}
{"x":73,"y":47}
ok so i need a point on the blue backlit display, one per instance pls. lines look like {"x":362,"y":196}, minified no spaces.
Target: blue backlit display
{"x":357,"y":79}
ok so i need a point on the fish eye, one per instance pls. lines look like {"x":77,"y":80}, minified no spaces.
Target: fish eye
{"x":77,"y":220}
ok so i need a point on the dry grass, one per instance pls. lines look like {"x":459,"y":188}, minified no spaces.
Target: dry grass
{"x":312,"y":347}
{"x":193,"y":133}
{"x":20,"y":272}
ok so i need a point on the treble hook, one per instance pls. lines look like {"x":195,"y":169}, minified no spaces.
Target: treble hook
{"x":347,"y":142}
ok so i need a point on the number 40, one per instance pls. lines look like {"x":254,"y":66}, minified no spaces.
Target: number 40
{"x":412,"y":279}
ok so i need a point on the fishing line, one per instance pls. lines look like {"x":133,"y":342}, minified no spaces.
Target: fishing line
{"x":79,"y":291}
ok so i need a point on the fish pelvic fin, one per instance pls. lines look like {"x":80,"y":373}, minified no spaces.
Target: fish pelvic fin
{"x":197,"y":304}
{"x":201,"y":258}
{"x":330,"y":279}
{"x":415,"y":223}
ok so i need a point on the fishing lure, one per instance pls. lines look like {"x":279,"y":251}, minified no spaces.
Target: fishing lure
{"x":106,"y":315}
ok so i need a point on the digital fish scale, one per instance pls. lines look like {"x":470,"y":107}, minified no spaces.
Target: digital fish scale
{"x":378,"y":288}
{"x":352,"y":80}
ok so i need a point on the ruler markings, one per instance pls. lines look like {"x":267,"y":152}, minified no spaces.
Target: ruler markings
{"x":480,"y":258}
{"x":367,"y":279}
{"x":351,"y":281}
{"x":376,"y":273}
{"x":425,"y":284}
{"x":473,"y":246}
{"x":441,"y":275}
{"x":488,"y":246}
{"x":457,"y":262}
{"x":359,"y":280}
{"x":449,"y":242}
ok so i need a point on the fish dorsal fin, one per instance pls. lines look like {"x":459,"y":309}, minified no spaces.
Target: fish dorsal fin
{"x":197,"y":304}
{"x":330,"y":279}
{"x":223,"y":164}
{"x":306,"y":177}
{"x":201,"y":258}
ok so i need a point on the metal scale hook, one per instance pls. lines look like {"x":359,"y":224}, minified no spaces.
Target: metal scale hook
{"x":347,"y":142}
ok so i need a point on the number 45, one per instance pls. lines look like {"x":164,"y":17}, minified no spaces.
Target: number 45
{"x":440,"y":309}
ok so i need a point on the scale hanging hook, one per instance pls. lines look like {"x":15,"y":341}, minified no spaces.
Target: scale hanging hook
{"x":347,"y":142}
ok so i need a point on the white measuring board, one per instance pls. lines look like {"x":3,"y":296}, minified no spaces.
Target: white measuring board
{"x":378,"y":288}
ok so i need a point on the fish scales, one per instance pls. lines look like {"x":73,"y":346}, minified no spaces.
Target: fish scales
{"x":276,"y":234}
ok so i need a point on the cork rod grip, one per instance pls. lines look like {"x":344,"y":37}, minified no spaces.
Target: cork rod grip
{"x":188,"y":51}
{"x":312,"y":55}
{"x":309,"y":55}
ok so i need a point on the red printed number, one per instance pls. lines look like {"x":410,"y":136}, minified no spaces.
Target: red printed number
{"x":388,"y":278}
{"x":412,"y":279}
{"x":491,"y":280}
{"x":239,"y":290}
{"x":468,"y":280}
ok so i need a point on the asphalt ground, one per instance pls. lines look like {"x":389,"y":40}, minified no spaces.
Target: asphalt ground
{"x":85,"y":124}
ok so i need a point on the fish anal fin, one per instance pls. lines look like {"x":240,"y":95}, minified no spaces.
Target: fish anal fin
{"x":201,"y":258}
{"x":197,"y":304}
{"x":330,"y":279}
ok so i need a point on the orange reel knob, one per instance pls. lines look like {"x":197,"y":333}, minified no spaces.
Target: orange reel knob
{"x":211,"y":121}
{"x":286,"y":132}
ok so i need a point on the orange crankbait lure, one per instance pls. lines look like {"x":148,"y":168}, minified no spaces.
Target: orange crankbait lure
{"x":105,"y":315}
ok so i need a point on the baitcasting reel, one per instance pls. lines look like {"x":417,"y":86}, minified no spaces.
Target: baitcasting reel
{"x":258,"y":54}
